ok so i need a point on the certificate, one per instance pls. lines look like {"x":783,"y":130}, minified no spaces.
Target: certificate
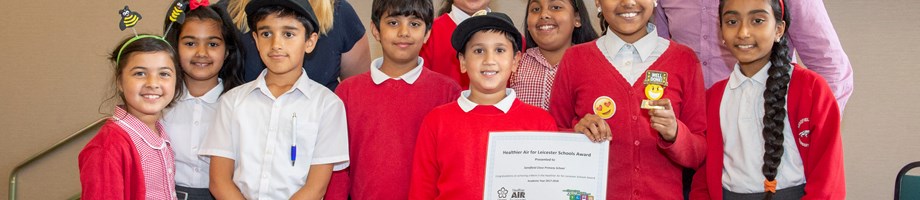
{"x":545,"y":165}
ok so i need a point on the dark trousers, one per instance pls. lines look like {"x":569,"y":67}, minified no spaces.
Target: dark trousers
{"x":794,"y":192}
{"x":193,"y":193}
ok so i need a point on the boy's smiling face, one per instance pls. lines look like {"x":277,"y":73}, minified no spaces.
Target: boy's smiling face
{"x":401,"y":37}
{"x":489,"y":60}
{"x":282,"y":43}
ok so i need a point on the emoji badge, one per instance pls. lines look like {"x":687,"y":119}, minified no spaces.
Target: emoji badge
{"x":655,"y":82}
{"x":604,"y":107}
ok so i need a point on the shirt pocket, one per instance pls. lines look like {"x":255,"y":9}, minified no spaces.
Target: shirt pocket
{"x":305,"y":133}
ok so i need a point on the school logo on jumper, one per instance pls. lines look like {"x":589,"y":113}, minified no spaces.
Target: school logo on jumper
{"x":604,"y":107}
{"x":804,"y":134}
{"x":578,"y":195}
{"x":655,"y":82}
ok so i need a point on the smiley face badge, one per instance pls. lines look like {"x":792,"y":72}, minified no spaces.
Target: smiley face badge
{"x":604,"y":107}
{"x":655,"y":82}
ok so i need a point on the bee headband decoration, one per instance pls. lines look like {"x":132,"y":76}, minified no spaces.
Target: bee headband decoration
{"x":128,"y":19}
{"x":177,"y":14}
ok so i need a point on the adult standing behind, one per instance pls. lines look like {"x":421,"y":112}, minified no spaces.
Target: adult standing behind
{"x":696,"y":24}
{"x":342,"y":50}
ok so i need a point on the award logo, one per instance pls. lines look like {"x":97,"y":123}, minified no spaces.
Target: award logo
{"x":578,"y":195}
{"x":655,"y":82}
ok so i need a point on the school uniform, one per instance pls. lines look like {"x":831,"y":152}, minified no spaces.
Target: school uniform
{"x":642,"y":165}
{"x":812,"y":156}
{"x":127,"y":160}
{"x":384,"y":116}
{"x":450,"y":155}
{"x":534,"y":78}
{"x":437,"y":51}
{"x":257,"y":131}
{"x":187,"y":122}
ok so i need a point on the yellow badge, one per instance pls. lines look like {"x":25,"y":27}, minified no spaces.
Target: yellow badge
{"x":604,"y":107}
{"x":655,"y":82}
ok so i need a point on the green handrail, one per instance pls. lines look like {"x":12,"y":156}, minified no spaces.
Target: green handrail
{"x":54,"y":147}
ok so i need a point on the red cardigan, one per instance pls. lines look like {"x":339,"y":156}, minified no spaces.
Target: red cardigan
{"x":438,"y":53}
{"x":383,"y":123}
{"x":450,"y":155}
{"x":642,"y":165}
{"x":815,"y":120}
{"x":110,"y":167}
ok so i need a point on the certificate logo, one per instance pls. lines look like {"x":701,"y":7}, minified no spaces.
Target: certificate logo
{"x":516,"y":194}
{"x":578,"y":195}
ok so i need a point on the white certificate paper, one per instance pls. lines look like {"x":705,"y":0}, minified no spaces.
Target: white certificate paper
{"x":545,"y":165}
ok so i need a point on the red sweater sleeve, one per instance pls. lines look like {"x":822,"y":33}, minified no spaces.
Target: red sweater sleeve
{"x":425,"y":169}
{"x":340,"y":182}
{"x":562,"y":99}
{"x":689,"y":148}
{"x":824,"y":163}
{"x":103,"y":166}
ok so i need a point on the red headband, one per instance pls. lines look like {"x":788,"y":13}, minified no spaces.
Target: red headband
{"x":782,"y":8}
{"x":195,"y":4}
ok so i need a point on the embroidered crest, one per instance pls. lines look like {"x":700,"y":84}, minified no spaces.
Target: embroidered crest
{"x":804,"y":133}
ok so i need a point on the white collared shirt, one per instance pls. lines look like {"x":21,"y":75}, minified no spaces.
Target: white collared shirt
{"x":255,"y":129}
{"x":741,"y":120}
{"x":504,"y":105}
{"x":187,"y":122}
{"x":458,"y":15}
{"x":631,"y":60}
{"x":379,"y":77}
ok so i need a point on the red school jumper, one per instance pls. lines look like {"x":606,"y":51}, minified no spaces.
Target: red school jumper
{"x":110,"y":167}
{"x":815,"y":120}
{"x":450,"y":156}
{"x":438,"y":53}
{"x":642,"y":165}
{"x":383,"y":123}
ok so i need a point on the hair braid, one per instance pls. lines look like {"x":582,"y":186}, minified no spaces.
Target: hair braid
{"x":775,"y":100}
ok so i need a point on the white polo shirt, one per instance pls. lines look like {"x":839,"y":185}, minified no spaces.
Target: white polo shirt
{"x":255,"y":129}
{"x":187,"y":122}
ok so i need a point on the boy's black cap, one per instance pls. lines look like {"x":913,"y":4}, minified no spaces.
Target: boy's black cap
{"x":301,"y":7}
{"x":480,"y":21}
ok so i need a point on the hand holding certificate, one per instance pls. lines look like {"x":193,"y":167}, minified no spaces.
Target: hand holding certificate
{"x":545,"y":165}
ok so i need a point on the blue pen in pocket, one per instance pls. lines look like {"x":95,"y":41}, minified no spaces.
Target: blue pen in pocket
{"x":293,"y":138}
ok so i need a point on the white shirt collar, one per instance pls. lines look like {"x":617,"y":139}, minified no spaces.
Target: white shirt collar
{"x":302,"y":84}
{"x":504,"y":105}
{"x":210,"y":97}
{"x":458,"y":15}
{"x":737,"y":78}
{"x":644,"y":45}
{"x":410,"y":77}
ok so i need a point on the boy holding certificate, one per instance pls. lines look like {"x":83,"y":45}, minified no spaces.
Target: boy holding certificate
{"x":450,"y":154}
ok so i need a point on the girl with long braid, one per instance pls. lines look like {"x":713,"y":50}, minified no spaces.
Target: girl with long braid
{"x":796,"y":131}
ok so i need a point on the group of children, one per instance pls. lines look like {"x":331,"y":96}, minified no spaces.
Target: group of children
{"x":189,"y":128}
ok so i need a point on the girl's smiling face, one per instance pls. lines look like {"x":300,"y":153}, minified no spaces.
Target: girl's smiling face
{"x":749,"y":29}
{"x":147,"y":82}
{"x":551,"y":22}
{"x":201,"y":49}
{"x":627,"y":18}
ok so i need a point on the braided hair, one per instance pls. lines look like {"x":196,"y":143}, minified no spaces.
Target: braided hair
{"x":775,"y":97}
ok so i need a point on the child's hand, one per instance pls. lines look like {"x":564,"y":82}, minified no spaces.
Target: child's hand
{"x":594,"y":127}
{"x":663,"y":120}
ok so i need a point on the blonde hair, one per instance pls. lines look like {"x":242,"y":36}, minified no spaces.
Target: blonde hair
{"x":325,"y":13}
{"x":237,"y":11}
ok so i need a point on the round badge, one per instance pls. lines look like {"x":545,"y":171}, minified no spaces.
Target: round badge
{"x":604,"y":107}
{"x":654,"y":91}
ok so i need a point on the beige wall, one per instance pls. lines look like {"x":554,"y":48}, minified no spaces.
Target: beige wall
{"x":54,"y":75}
